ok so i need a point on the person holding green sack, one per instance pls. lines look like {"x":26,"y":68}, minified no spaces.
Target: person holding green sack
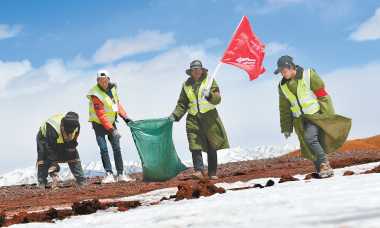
{"x":306,"y":106}
{"x":205,"y":130}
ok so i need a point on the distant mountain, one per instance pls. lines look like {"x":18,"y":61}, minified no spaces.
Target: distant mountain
{"x":93,"y":169}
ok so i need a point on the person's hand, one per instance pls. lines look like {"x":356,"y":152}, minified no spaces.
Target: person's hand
{"x":206,"y":92}
{"x":171,"y":116}
{"x":128,"y":119}
{"x":287,"y":135}
{"x":115,"y":134}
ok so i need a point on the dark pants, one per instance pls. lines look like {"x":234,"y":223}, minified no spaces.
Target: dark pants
{"x":72,"y":158}
{"x":101,"y":133}
{"x":212,"y":160}
{"x":312,"y":131}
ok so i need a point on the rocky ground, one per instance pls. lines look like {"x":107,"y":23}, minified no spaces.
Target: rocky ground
{"x":15,"y":201}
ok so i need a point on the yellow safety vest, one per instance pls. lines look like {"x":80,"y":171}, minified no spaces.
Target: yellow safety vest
{"x":55,"y":122}
{"x":307,"y":102}
{"x":107,"y":104}
{"x":200,"y":104}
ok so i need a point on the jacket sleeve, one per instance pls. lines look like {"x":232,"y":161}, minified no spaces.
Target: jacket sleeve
{"x":182,"y":104}
{"x":286,"y":115}
{"x":325,"y":102}
{"x":214,"y":97}
{"x":122,"y":112}
{"x":51,"y":146}
{"x":101,"y":114}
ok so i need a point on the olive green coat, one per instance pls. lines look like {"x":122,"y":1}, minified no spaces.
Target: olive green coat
{"x":202,"y":127}
{"x":334,"y":128}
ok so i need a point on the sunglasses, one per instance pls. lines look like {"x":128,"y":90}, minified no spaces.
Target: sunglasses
{"x":194,"y":69}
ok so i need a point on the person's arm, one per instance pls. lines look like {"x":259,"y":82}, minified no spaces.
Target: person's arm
{"x":51,"y":146}
{"x":122,"y":112}
{"x":101,"y":114}
{"x":182,"y":104}
{"x":318,"y":87}
{"x":286,"y":115}
{"x":214,"y":97}
{"x":72,"y":144}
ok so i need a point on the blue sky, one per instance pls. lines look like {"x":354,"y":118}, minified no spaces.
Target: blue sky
{"x":51,"y":50}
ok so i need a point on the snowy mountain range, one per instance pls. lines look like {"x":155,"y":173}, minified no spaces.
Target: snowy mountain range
{"x":93,"y":169}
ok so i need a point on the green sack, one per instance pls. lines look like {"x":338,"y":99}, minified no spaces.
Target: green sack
{"x":153,"y":139}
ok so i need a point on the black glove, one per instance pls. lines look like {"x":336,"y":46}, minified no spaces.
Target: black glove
{"x":128,"y":119}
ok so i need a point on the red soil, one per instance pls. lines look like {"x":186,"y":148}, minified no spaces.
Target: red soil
{"x":372,"y":143}
{"x":202,"y":188}
{"x":348,"y":173}
{"x":287,"y":177}
{"x":374,"y":170}
{"x":16,"y":200}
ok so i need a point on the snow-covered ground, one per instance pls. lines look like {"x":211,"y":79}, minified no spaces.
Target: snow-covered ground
{"x":341,"y":201}
{"x":93,"y":169}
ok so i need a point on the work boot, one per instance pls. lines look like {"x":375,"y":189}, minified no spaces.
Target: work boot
{"x":212,"y":176}
{"x":55,"y":177}
{"x":326,"y":170}
{"x":41,"y":184}
{"x":197,"y":175}
{"x":81,"y":182}
{"x":124,"y":177}
{"x":108,"y":178}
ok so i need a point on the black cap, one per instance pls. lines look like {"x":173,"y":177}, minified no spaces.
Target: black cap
{"x":71,"y":121}
{"x":284,"y":61}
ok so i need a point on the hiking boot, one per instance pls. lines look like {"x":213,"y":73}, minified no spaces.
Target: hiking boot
{"x":212,"y":176}
{"x":108,"y":178}
{"x":81,"y":182}
{"x":124,"y":177}
{"x":56,"y":178}
{"x":41,"y":184}
{"x":326,"y":170}
{"x":197,"y":175}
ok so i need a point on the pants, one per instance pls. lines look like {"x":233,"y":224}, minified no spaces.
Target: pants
{"x":101,"y":133}
{"x":72,"y":158}
{"x":212,"y":160}
{"x":312,"y":142}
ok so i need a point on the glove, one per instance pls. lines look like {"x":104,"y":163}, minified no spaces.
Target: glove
{"x":287,"y":135}
{"x":206,"y":92}
{"x":128,"y":119}
{"x":115,"y":134}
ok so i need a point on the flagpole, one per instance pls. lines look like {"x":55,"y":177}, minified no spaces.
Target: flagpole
{"x":213,"y":76}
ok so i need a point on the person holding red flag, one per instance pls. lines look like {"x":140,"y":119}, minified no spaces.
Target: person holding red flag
{"x":205,"y":130}
{"x":306,"y":106}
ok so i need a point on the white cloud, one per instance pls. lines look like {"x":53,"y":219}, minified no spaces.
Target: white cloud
{"x":78,"y":62}
{"x":198,"y":51}
{"x":274,"y":48}
{"x":7,"y":31}
{"x":369,"y":30}
{"x":145,"y":41}
{"x":9,"y":70}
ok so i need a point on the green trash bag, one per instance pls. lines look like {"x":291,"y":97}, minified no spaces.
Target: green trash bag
{"x":153,"y":139}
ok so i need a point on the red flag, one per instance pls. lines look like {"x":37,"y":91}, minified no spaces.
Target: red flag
{"x":245,"y":50}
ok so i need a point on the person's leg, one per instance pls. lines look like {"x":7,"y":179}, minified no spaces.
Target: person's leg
{"x":312,"y":142}
{"x":197,"y":160}
{"x":115,"y":143}
{"x":42,"y":169}
{"x":212,"y":159}
{"x":100,"y":133}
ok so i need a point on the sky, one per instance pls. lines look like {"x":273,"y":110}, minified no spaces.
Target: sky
{"x":50,"y":52}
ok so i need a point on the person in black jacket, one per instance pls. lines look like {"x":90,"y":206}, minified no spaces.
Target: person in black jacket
{"x":56,"y":143}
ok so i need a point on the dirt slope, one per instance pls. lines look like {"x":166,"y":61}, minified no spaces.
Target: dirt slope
{"x":372,"y":143}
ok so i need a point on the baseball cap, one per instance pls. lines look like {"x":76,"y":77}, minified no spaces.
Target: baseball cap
{"x":282,"y":62}
{"x":103,"y":74}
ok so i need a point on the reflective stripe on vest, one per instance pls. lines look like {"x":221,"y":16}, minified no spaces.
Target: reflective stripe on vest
{"x":203,"y":104}
{"x":307,"y":99}
{"x":107,"y":104}
{"x":55,"y":122}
